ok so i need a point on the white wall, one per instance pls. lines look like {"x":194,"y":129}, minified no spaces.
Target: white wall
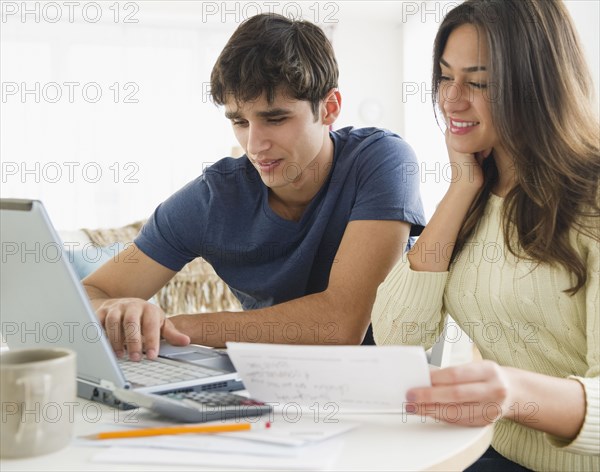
{"x":160,"y":130}
{"x":125,"y":152}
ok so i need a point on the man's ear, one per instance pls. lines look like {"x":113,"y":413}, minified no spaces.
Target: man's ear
{"x":332,"y":107}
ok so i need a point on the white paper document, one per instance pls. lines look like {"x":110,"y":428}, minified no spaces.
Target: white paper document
{"x":302,"y":444}
{"x":348,"y":379}
{"x":314,"y":457}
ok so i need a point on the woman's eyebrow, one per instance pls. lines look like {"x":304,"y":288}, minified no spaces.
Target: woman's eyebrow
{"x":465,"y":69}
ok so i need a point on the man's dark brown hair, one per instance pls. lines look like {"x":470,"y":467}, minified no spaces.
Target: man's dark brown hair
{"x":270,"y":52}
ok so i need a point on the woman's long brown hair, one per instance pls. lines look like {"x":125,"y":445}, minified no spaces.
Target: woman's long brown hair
{"x":541,"y":103}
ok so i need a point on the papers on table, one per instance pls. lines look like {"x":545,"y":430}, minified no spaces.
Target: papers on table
{"x":348,"y":379}
{"x":301,"y":445}
{"x":317,"y":457}
{"x":282,"y":432}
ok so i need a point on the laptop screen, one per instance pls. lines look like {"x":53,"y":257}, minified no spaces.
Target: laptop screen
{"x":43,"y":304}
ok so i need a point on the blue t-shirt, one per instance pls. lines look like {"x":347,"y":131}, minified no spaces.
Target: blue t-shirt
{"x":224,"y":216}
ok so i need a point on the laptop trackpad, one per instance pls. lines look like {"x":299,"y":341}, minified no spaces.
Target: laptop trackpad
{"x":193,"y":356}
{"x":191,"y":352}
{"x":211,"y":360}
{"x":207,"y":357}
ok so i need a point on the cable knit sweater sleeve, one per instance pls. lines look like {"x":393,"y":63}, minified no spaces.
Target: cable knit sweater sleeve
{"x":416,"y":317}
{"x":588,"y":439}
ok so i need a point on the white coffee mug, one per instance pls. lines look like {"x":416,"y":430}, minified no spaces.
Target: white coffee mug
{"x":38,"y":389}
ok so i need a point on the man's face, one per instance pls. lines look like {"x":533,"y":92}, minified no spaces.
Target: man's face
{"x":282,"y":139}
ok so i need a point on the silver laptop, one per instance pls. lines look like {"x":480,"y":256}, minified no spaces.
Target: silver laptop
{"x":43,"y":304}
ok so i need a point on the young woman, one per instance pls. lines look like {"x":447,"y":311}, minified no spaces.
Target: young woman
{"x":512,"y":252}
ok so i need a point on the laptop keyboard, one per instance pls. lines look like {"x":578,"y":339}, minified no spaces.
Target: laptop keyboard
{"x":162,"y":371}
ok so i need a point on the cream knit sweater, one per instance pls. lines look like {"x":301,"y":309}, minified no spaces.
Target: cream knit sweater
{"x":518,"y":315}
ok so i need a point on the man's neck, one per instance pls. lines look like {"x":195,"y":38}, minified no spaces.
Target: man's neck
{"x":290,"y":201}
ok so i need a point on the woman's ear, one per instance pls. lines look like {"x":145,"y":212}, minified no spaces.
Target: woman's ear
{"x":332,"y":105}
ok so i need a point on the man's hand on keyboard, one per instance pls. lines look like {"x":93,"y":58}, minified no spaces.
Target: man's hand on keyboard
{"x":137,"y":325}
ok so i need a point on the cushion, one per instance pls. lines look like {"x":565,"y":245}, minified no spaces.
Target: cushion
{"x":87,"y":259}
{"x":195,"y":289}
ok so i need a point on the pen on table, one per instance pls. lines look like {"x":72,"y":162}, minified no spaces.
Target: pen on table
{"x":184,"y":429}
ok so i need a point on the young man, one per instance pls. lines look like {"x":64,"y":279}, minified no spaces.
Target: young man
{"x":303,"y":227}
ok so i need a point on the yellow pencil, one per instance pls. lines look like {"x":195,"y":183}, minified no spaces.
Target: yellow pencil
{"x":209,"y":429}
